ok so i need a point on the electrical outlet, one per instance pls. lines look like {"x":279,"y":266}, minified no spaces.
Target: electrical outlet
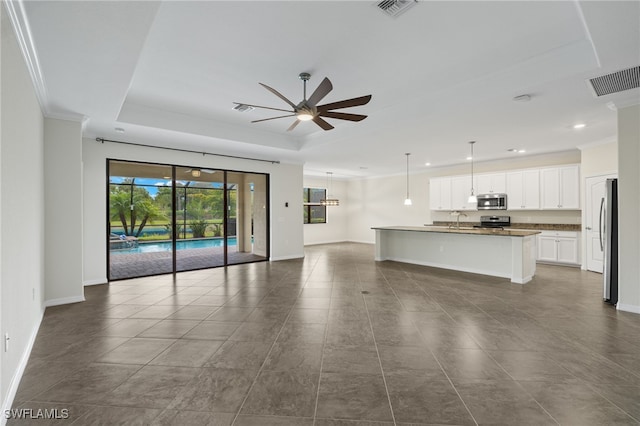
{"x":6,"y":342}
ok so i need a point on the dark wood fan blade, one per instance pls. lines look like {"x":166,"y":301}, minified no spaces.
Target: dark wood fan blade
{"x":362,"y":100}
{"x":278,"y":94}
{"x":264,"y":107}
{"x":323,"y":90}
{"x":320,"y":122}
{"x":293,"y":126}
{"x":342,"y":115}
{"x":273,"y":118}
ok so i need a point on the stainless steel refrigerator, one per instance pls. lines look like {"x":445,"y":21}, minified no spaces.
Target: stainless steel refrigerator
{"x":609,"y":240}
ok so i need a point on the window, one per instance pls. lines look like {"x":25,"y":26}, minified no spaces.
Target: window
{"x":314,"y":212}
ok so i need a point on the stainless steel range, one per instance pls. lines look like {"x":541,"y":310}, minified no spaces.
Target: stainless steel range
{"x":494,"y":222}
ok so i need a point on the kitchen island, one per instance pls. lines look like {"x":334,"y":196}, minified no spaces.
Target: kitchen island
{"x":497,"y":252}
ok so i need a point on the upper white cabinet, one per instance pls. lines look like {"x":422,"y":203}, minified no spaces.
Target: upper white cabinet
{"x":440,"y":193}
{"x":460,"y":191}
{"x":549,"y":188}
{"x":560,"y":187}
{"x":491,"y":183}
{"x":523,"y":190}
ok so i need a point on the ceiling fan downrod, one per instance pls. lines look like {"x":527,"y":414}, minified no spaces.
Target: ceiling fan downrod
{"x":304,"y":76}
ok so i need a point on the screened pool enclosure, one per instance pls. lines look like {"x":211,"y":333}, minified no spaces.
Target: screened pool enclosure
{"x":165,"y":218}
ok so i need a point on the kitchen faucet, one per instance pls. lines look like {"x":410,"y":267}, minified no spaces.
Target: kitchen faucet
{"x":457,"y":214}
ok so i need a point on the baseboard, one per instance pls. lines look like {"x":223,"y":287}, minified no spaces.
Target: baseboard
{"x":361,"y":242}
{"x":17,"y":376}
{"x":63,"y":301}
{"x":326,"y":242}
{"x":628,"y":308}
{"x":293,"y":256}
{"x":97,"y":281}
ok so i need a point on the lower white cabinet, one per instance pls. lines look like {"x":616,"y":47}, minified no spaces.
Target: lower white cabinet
{"x":559,"y":247}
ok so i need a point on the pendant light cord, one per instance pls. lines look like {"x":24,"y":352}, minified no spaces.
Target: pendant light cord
{"x":472,"y":142}
{"x":407,"y":154}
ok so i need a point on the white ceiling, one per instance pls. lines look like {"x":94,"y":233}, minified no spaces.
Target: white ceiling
{"x":441,"y":74}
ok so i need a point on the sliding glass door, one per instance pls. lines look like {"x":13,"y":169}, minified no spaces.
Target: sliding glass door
{"x":165,"y":219}
{"x":199,"y":218}
{"x":140,"y":217}
{"x":247,"y":217}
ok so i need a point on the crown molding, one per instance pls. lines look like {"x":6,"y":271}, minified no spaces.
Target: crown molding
{"x":20,"y":24}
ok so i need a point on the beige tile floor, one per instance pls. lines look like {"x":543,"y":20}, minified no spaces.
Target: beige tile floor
{"x":337,"y":339}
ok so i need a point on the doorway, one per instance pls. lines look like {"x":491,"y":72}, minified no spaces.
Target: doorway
{"x":166,"y":218}
{"x":594,"y":191}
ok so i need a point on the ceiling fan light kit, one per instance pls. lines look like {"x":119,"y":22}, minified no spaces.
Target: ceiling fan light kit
{"x":308,"y":109}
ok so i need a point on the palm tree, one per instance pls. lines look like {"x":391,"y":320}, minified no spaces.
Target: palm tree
{"x":127,"y":204}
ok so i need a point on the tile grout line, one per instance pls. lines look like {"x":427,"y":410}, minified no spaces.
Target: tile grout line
{"x":244,"y":400}
{"x":324,"y":343}
{"x":437,"y":360}
{"x":505,"y":370}
{"x":375,"y":344}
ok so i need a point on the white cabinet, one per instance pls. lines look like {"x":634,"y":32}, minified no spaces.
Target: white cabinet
{"x":460,"y":191}
{"x":491,"y":183}
{"x":560,"y":188}
{"x":558,"y":247}
{"x":440,"y":193}
{"x":523,"y":190}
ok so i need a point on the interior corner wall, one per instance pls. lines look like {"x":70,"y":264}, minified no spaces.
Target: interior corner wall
{"x":599,"y":159}
{"x":286,"y":237}
{"x":380,"y":202}
{"x":628,"y":208}
{"x":63,"y":211}
{"x":335,"y":229}
{"x":22,"y":218}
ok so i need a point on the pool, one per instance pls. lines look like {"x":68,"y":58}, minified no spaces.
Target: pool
{"x":158,"y":246}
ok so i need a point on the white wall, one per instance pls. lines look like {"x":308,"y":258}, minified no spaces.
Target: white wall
{"x":285,"y":186}
{"x":22,"y":219}
{"x":63,"y":211}
{"x":335,"y":230}
{"x":628,"y":208}
{"x":379,"y":201}
{"x":600,"y":159}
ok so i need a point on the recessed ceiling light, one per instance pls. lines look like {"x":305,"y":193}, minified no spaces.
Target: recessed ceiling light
{"x":469,"y":158}
{"x":427,"y":164}
{"x":521,"y":151}
{"x":119,"y":129}
{"x":579,"y":126}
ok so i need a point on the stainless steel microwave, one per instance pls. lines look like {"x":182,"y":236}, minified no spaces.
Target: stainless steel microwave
{"x":492,"y":201}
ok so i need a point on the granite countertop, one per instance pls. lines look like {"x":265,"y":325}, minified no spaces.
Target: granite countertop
{"x":528,"y":226}
{"x":461,"y":230}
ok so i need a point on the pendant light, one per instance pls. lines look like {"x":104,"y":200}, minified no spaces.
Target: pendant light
{"x":472,"y":198}
{"x":407,"y":201}
{"x":328,"y":201}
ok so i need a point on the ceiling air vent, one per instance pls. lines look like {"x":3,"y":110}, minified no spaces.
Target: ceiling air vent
{"x":242,"y":107}
{"x":394,"y":8}
{"x":616,"y":82}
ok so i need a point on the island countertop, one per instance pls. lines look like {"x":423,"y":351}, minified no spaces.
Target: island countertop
{"x":461,"y":230}
{"x":505,"y":253}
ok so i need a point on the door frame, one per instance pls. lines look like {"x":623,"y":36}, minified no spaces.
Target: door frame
{"x":584,"y":240}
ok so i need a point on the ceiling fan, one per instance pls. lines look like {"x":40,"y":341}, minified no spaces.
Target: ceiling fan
{"x":308,"y":110}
